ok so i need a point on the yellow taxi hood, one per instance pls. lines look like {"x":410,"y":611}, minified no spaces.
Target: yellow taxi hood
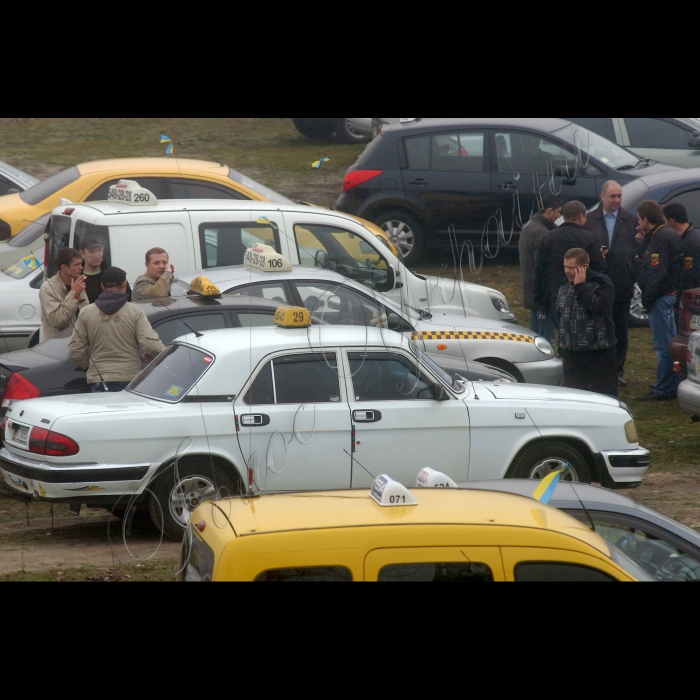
{"x":153,"y":166}
{"x":352,"y":509}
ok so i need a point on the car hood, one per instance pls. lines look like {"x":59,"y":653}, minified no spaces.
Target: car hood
{"x":530,"y":392}
{"x":441,"y":321}
{"x":655,"y":169}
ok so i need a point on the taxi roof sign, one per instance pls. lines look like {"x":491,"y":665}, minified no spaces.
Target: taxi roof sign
{"x":292,"y":317}
{"x":390,"y":494}
{"x":266,"y":259}
{"x":203,"y":287}
{"x":430,"y":479}
{"x":131,"y":193}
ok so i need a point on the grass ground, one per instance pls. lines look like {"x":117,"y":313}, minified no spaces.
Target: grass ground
{"x":271,"y":151}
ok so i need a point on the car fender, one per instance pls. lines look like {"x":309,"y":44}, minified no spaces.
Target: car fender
{"x":223,"y":461}
{"x":380,"y":202}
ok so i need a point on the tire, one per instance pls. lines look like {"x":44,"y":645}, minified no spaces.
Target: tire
{"x":313,"y":128}
{"x":198,"y":480}
{"x":405,"y":233}
{"x":347,"y":133}
{"x":538,"y":460}
{"x":639,"y":317}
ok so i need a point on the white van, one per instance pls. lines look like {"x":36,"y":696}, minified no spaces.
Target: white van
{"x":202,"y":234}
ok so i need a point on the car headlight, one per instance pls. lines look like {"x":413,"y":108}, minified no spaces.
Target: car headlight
{"x":544,"y":346}
{"x":500,"y":303}
{"x":631,"y":433}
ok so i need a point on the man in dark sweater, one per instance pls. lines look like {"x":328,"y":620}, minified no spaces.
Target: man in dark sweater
{"x":677,"y":218}
{"x":549,"y":258}
{"x":530,"y":238}
{"x":616,"y":231}
{"x":94,"y":266}
{"x":587,"y":341}
{"x":659,"y":282}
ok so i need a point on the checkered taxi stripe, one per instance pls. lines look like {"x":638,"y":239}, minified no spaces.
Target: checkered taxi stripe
{"x":473,"y":335}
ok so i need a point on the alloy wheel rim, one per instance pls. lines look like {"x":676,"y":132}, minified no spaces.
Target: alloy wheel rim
{"x":547,"y":466}
{"x":188,"y":495}
{"x":401,"y":235}
{"x":353,"y":131}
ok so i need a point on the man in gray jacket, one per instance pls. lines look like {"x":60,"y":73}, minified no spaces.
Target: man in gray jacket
{"x":109,"y":337}
{"x":531,"y":235}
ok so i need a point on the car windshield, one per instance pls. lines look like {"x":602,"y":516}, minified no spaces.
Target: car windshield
{"x":171,"y":376}
{"x":25,"y":178}
{"x":633,"y":569}
{"x":257,"y":187}
{"x":31,"y":234}
{"x":597,"y":147}
{"x":48,"y":188}
{"x":457,"y":386}
{"x":24,"y":267}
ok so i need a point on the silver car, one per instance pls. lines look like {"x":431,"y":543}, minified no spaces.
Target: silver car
{"x":689,"y":390}
{"x":13,"y":180}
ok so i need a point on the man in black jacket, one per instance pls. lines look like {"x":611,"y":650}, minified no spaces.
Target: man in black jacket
{"x":587,"y":341}
{"x":616,"y":231}
{"x":677,"y":217}
{"x":549,"y":258}
{"x":659,"y":282}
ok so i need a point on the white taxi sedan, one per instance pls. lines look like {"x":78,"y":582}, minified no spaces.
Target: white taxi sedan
{"x":334,"y":299}
{"x":303,"y":408}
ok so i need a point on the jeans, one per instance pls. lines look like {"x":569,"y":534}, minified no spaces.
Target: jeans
{"x":663,"y":326}
{"x":113,"y":387}
{"x":547,"y":328}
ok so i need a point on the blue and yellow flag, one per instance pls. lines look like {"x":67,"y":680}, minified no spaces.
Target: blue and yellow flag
{"x":547,"y":487}
{"x":30,"y":262}
{"x":166,"y":139}
{"x":317,"y":164}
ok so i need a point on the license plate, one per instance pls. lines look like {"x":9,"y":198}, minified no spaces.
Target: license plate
{"x":695,"y":322}
{"x":21,"y":435}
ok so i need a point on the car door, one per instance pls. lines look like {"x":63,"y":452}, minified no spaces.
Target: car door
{"x":663,"y":139}
{"x":528,"y":166}
{"x":400,"y":426}
{"x":293,"y":424}
{"x":448,"y":176}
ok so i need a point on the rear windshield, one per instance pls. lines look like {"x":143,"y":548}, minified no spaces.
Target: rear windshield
{"x":48,"y":188}
{"x":173,"y":374}
{"x":26,"y":266}
{"x":257,"y":187}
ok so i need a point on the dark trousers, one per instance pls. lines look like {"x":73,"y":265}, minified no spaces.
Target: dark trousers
{"x":591,"y":371}
{"x":621,"y":319}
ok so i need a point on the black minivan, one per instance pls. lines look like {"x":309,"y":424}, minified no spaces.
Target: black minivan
{"x":481,"y":176}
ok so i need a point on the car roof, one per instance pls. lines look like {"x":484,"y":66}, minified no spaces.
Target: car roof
{"x":165,"y":166}
{"x":356,"y":509}
{"x":178,"y":305}
{"x":544,"y":124}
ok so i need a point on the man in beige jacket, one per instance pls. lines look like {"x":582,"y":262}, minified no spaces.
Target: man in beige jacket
{"x":110,"y":335}
{"x":62,"y":296}
{"x":159,"y":277}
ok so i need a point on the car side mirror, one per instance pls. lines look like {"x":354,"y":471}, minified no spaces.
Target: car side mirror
{"x":321,"y":259}
{"x":394,"y":323}
{"x":440,"y":393}
{"x":567,"y":174}
{"x":695,"y":140}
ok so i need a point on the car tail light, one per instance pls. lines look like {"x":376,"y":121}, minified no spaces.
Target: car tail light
{"x":69,"y":211}
{"x":19,"y":389}
{"x":359,"y":177}
{"x":45,"y":442}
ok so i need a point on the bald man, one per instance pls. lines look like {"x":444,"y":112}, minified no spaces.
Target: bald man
{"x":616,"y":231}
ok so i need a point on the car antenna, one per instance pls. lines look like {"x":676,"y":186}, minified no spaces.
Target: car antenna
{"x":197,"y":334}
{"x":583,"y":505}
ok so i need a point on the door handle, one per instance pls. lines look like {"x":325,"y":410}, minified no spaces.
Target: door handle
{"x":255,"y":420}
{"x":420,"y":182}
{"x":366,"y":416}
{"x":507,"y":186}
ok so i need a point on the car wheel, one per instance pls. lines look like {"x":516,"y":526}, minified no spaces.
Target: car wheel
{"x":639,"y":317}
{"x":313,"y":129}
{"x":182,"y":489}
{"x":540,"y":460}
{"x":404,"y":232}
{"x":347,"y":133}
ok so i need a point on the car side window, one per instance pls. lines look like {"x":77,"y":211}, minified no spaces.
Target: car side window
{"x":603,"y":126}
{"x":198,"y":189}
{"x":554,"y":572}
{"x":527,"y":154}
{"x":690,"y":200}
{"x":418,"y":153}
{"x":224,"y":244}
{"x":344,"y":252}
{"x":450,"y":572}
{"x":157,"y":185}
{"x":255,"y":320}
{"x":383,"y":376}
{"x":459,"y":152}
{"x":184,"y":325}
{"x":6,"y":185}
{"x":646,"y":132}
{"x":272,"y":291}
{"x":296,"y":380}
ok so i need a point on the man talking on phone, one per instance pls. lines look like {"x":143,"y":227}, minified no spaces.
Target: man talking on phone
{"x":159,"y":277}
{"x":63,"y":296}
{"x":587,"y":341}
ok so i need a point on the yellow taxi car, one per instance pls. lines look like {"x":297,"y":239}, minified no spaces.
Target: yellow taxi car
{"x":167,"y":178}
{"x":394,"y":534}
